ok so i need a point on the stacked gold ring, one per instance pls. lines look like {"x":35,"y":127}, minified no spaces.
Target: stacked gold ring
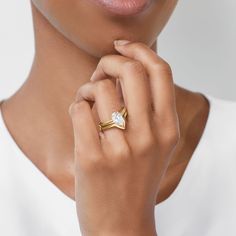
{"x":117,"y":120}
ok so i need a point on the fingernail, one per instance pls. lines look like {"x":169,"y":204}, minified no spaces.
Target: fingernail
{"x":70,"y":107}
{"x":121,"y":42}
{"x":92,"y":78}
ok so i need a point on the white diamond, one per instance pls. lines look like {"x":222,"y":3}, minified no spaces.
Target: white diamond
{"x":118,"y":119}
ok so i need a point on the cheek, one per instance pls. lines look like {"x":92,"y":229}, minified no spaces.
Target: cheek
{"x":93,"y":29}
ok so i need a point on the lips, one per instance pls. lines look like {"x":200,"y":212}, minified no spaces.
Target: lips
{"x":123,"y":7}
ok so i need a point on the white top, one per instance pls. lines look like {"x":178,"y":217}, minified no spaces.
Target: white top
{"x":203,"y":204}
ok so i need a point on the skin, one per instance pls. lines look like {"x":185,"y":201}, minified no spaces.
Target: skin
{"x":68,"y":49}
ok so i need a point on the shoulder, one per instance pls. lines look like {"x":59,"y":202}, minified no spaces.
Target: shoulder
{"x":7,"y":145}
{"x":219,"y":137}
{"x":207,"y":190}
{"x":222,"y":114}
{"x":223,"y":104}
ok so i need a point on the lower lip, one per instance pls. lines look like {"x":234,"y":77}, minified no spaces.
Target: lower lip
{"x":123,"y":7}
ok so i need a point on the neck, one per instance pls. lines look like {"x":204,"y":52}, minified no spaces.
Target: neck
{"x":59,"y":68}
{"x":41,"y":104}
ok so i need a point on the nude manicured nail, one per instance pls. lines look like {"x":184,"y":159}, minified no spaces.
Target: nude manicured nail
{"x":92,"y":78}
{"x":121,"y":42}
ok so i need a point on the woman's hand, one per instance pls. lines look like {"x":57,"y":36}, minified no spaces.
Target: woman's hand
{"x":118,"y":172}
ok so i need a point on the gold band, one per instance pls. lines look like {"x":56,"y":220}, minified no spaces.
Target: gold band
{"x":118,"y":120}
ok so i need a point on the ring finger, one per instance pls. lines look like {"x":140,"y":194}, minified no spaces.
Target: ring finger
{"x":106,"y":99}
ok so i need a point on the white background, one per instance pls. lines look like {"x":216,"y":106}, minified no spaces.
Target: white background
{"x":199,"y":42}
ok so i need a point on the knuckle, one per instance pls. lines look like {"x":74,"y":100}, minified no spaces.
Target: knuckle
{"x":91,"y":163}
{"x":82,"y":91}
{"x":170,"y":139}
{"x":104,"y":85}
{"x":174,"y":138}
{"x":120,"y":157}
{"x":121,"y":152}
{"x":162,"y":66}
{"x":79,"y":92}
{"x":146,"y":145}
{"x":76,"y":107}
{"x":133,"y":66}
{"x":104,"y":59}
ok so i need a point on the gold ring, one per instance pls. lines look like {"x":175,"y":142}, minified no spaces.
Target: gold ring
{"x":117,"y":120}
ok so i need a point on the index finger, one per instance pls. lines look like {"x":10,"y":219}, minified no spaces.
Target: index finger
{"x":160,"y":76}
